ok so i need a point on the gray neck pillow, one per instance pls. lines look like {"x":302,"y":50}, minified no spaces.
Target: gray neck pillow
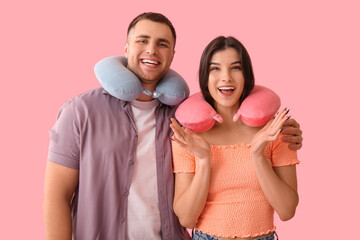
{"x":121,"y":83}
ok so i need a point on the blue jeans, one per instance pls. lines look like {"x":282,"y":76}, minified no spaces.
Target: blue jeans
{"x":197,"y":235}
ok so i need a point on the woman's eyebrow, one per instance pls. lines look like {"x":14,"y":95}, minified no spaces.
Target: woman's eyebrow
{"x":214,"y":63}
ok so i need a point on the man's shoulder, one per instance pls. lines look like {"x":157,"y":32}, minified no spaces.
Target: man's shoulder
{"x":92,"y":95}
{"x":86,"y":100}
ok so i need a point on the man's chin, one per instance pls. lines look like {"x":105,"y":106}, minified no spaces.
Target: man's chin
{"x":151,"y":78}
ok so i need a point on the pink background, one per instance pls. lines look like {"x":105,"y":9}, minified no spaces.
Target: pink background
{"x":307,"y":51}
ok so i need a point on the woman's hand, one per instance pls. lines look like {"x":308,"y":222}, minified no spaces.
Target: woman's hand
{"x":269,"y":132}
{"x":191,"y":141}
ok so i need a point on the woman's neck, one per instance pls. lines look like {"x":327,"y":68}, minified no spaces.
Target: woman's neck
{"x":227,"y":113}
{"x":229,"y":132}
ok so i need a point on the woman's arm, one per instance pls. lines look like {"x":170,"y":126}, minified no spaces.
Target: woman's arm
{"x":191,"y":192}
{"x":191,"y":189}
{"x":279,"y":184}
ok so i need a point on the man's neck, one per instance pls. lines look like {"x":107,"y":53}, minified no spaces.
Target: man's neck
{"x":144,"y":97}
{"x":149,"y":87}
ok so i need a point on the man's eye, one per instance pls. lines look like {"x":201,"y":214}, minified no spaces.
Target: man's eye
{"x":142,"y":41}
{"x":163,"y":45}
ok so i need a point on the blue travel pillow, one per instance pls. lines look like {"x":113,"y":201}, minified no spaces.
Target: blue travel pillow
{"x":121,"y":83}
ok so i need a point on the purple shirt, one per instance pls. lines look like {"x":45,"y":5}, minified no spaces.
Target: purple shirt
{"x":95,"y":133}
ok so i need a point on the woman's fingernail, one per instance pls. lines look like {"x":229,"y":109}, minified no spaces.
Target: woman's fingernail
{"x":287,"y":111}
{"x":281,"y":130}
{"x":288,"y":117}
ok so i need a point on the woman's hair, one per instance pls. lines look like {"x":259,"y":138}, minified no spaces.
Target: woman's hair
{"x":222,"y":43}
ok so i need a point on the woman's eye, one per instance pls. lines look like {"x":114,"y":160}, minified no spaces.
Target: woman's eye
{"x":237,"y":67}
{"x":214,"y":68}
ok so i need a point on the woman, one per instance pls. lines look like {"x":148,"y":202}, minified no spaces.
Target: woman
{"x":231,"y":178}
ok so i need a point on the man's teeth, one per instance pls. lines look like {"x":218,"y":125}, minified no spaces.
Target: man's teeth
{"x":150,"y":62}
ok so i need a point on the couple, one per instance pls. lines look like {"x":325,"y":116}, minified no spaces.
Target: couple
{"x":110,"y":173}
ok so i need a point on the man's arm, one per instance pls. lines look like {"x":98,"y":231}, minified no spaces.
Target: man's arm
{"x":292,"y":134}
{"x":60,"y":184}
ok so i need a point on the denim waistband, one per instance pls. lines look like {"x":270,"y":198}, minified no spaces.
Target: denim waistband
{"x":198,"y":235}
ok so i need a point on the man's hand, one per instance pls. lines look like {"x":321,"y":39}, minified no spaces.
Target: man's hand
{"x":293,"y":134}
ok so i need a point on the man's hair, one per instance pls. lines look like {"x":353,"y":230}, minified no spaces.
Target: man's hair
{"x":218,"y":44}
{"x":155,"y":17}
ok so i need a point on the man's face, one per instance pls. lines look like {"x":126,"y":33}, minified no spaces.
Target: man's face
{"x":150,"y":51}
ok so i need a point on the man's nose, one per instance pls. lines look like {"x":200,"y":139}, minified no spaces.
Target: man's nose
{"x":151,"y":49}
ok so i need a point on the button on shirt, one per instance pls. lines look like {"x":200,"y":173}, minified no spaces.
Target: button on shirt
{"x":95,"y":133}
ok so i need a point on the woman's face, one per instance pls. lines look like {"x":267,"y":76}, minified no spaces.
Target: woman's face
{"x":226,"y":78}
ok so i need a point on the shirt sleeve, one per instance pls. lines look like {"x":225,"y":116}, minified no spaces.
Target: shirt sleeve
{"x":64,"y":148}
{"x":184,"y":162}
{"x":279,"y":154}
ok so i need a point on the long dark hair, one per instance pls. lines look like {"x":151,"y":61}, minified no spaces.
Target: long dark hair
{"x":221,"y":43}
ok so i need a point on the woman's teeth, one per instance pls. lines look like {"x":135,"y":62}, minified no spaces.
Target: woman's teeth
{"x":226,"y":89}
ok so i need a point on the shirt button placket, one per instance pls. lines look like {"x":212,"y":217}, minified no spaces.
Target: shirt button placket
{"x":125,"y":191}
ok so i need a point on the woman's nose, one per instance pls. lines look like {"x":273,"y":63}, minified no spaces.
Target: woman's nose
{"x":225,"y":76}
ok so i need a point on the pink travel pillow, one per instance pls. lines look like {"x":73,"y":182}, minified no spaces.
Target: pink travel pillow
{"x":256,"y":110}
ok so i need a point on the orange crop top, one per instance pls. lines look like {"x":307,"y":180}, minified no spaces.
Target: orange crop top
{"x":236,"y":205}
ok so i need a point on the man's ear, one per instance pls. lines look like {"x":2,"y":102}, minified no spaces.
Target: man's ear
{"x":126,"y":48}
{"x":173,"y":55}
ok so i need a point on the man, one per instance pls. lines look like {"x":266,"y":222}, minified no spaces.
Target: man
{"x":109,"y":172}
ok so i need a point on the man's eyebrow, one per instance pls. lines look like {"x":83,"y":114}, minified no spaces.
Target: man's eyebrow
{"x":164,"y":40}
{"x":143,"y":36}
{"x":147,"y":37}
